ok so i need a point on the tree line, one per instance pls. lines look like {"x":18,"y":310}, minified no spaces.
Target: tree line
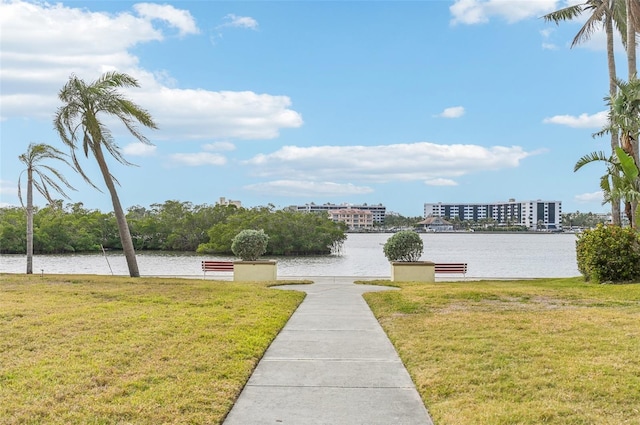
{"x":170,"y":226}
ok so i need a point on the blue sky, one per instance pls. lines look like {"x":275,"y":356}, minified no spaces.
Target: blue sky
{"x":290,"y":102}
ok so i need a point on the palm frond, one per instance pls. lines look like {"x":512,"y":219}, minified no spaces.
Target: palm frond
{"x":565,"y":14}
{"x":592,"y":157}
{"x":594,"y":23}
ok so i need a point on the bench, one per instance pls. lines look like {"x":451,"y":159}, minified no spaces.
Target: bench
{"x":216,"y":266}
{"x":457,"y":268}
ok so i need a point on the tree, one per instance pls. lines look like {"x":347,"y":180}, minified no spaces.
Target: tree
{"x":633,"y":26}
{"x":405,"y":245}
{"x":34,"y":156}
{"x":620,"y":181}
{"x":624,"y":115}
{"x":607,"y":13}
{"x":79,"y":122}
{"x":624,"y":118}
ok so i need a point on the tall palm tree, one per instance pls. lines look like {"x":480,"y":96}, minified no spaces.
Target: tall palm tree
{"x":624,"y":119}
{"x":609,"y":13}
{"x":79,"y":122}
{"x":32,"y":158}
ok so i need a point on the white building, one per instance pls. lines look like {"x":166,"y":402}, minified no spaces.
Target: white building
{"x":379,"y":211}
{"x":535,"y":215}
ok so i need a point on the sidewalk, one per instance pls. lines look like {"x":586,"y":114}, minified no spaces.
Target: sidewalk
{"x":331,"y":364}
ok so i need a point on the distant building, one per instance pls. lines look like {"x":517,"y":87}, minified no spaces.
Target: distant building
{"x":378,"y":211}
{"x":436,"y":224}
{"x":535,"y":215}
{"x":355,"y":219}
{"x":226,"y":202}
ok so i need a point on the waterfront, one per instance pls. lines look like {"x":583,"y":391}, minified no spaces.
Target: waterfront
{"x":503,"y":255}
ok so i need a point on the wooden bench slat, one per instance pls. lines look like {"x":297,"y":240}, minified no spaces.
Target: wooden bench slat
{"x":216,"y":266}
{"x":459,"y":268}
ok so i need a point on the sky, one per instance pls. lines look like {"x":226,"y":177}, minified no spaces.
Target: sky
{"x":398,"y":103}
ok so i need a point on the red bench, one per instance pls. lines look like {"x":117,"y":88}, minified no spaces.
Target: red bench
{"x":216,"y":266}
{"x":457,"y":268}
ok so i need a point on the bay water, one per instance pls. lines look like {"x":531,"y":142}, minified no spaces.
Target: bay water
{"x":488,"y":255}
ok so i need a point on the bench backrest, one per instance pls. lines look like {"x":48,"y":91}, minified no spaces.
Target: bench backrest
{"x":208,"y":265}
{"x":451,"y":268}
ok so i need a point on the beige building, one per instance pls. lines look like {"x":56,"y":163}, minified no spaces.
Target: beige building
{"x":353,"y":218}
{"x":226,"y":202}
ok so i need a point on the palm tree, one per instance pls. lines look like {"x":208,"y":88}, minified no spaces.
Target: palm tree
{"x":624,"y":115}
{"x":32,"y":158}
{"x":624,"y":118}
{"x":620,"y":181}
{"x":79,"y":121}
{"x":609,"y":13}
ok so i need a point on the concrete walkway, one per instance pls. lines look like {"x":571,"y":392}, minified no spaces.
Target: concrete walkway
{"x":331,"y":364}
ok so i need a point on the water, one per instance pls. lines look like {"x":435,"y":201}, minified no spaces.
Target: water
{"x":511,"y":255}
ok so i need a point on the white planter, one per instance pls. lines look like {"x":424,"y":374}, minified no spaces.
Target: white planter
{"x":413,"y":271}
{"x":255,"y":271}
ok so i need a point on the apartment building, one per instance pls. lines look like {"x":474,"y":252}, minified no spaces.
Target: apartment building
{"x":378,"y":211}
{"x":355,"y":219}
{"x":535,"y":215}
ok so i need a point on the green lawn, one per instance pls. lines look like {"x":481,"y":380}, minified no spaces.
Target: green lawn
{"x":117,"y":350}
{"x":550,"y":351}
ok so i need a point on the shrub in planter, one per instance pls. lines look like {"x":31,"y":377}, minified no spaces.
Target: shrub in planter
{"x":609,"y":254}
{"x":406,"y":245}
{"x":249,"y":244}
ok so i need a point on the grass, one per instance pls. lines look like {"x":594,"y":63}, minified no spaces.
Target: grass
{"x":548,"y":351}
{"x":115,"y":350}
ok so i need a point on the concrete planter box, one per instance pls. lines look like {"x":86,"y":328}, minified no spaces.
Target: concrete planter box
{"x":255,"y":271}
{"x":415,"y":271}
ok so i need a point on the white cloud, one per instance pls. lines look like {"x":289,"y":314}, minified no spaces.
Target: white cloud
{"x":8,"y":187}
{"x":196,"y":159}
{"x":401,"y":162}
{"x":452,"y":112}
{"x":139,"y":149}
{"x":43,"y":44}
{"x":590,"y":197}
{"x":546,"y":33}
{"x":597,"y":120}
{"x":481,"y":11}
{"x":440,"y":182}
{"x":549,"y":46}
{"x":202,"y":114}
{"x":219,"y":147}
{"x":308,"y":188}
{"x":235,"y":21}
{"x":179,"y":19}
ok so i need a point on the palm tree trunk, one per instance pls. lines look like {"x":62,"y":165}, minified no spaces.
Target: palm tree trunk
{"x":633,"y":71}
{"x":631,"y":41}
{"x":29,"y":221}
{"x":123,"y":226}
{"x":613,"y":88}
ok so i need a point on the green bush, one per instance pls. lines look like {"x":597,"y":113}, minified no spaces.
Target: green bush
{"x":609,"y":254}
{"x":406,"y":245}
{"x":250,"y":244}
